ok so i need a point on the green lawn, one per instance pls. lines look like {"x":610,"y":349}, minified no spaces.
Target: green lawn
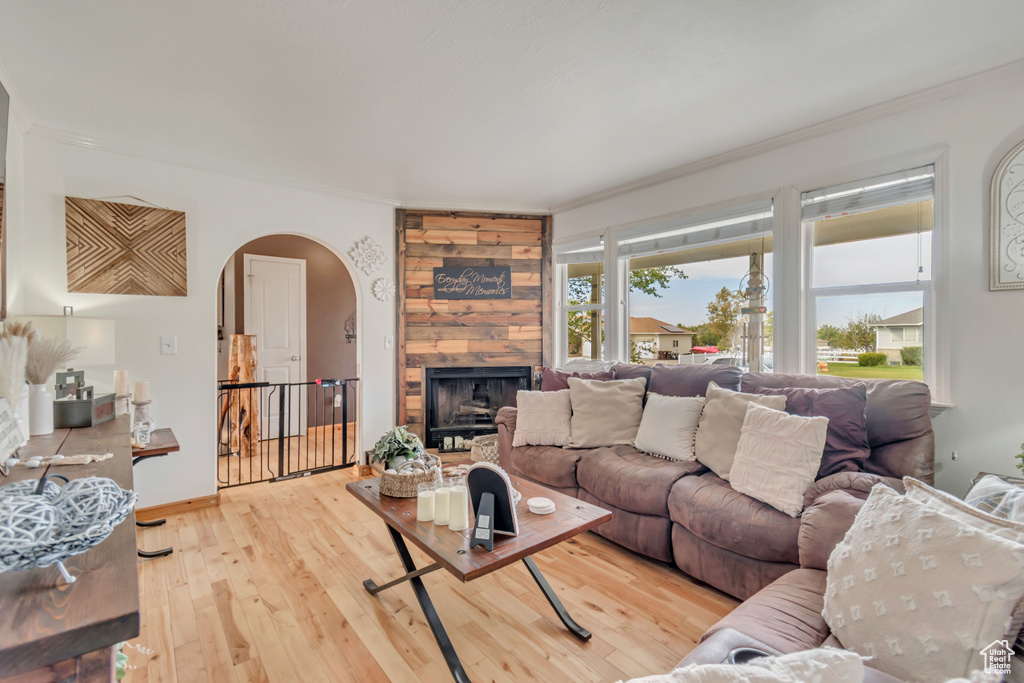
{"x":877,"y":372}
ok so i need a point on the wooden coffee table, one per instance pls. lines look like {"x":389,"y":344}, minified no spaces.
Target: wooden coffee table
{"x":450,"y":549}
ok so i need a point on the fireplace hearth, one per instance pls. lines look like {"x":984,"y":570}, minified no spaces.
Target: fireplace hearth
{"x":463,"y":401}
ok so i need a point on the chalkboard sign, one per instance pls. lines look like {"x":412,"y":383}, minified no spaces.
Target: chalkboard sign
{"x":473,"y":282}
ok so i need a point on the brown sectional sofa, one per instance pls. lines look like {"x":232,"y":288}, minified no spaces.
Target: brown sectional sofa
{"x":682,"y":513}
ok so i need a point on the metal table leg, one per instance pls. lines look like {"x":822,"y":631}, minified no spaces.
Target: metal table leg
{"x":577,"y":630}
{"x":412,"y":575}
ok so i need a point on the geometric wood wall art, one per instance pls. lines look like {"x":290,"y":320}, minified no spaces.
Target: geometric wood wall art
{"x":125,"y":249}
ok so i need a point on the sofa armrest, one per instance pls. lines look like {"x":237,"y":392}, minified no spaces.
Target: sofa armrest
{"x":858,"y":484}
{"x":823,"y":525}
{"x":506,"y":421}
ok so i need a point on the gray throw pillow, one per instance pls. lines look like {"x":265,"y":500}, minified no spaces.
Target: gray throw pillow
{"x":720,"y":425}
{"x":605,"y":413}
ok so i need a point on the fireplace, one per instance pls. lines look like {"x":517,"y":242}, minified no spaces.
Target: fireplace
{"x":463,"y":401}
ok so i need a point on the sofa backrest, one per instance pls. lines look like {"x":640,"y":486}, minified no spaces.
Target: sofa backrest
{"x":898,"y":420}
{"x":681,"y":380}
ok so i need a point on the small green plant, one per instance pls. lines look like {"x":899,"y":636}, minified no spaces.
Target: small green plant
{"x":397,"y":444}
{"x":1020,"y":458}
{"x":912,"y":355}
{"x":871,"y":359}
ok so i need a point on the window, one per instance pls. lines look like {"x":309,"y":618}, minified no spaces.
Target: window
{"x":708,"y":274}
{"x":581,"y":272}
{"x":871,"y":272}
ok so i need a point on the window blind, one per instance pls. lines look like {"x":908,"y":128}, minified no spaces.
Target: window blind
{"x":881,"y":192}
{"x":729,"y":224}
{"x":589,"y":250}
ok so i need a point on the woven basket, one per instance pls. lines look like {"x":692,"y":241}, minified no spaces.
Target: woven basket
{"x":404,"y":485}
{"x":485,"y":449}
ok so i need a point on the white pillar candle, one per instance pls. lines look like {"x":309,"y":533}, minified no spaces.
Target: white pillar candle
{"x":141,"y":391}
{"x":121,"y":382}
{"x":441,"y":505}
{"x":425,"y":506}
{"x":458,"y":506}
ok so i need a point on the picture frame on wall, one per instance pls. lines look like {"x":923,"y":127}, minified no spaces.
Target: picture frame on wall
{"x":1007,"y":229}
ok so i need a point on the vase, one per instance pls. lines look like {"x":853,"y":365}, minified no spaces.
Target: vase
{"x":41,"y":410}
{"x":23,"y":412}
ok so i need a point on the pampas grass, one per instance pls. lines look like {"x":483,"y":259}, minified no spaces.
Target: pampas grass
{"x":45,"y":355}
{"x":13,"y":359}
{"x":14,"y":329}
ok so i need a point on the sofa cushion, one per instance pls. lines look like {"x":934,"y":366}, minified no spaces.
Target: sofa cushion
{"x":777,"y":457}
{"x":711,"y":510}
{"x":898,"y":420}
{"x":631,"y":480}
{"x":648,"y":535}
{"x":631,"y":371}
{"x":543,"y":419}
{"x":733,"y":573}
{"x":786,"y":614}
{"x":669,"y":426}
{"x":548,"y":465}
{"x":721,"y":422}
{"x":557,"y":380}
{"x":921,"y":590}
{"x":605,"y":413}
{"x":692,"y":380}
{"x":846,"y":442}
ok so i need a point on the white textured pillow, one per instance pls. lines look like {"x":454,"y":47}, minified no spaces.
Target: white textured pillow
{"x":605,"y":413}
{"x":920,"y":590}
{"x":777,"y":457}
{"x":669,"y":426}
{"x":543,"y":419}
{"x":720,"y":423}
{"x":821,"y":665}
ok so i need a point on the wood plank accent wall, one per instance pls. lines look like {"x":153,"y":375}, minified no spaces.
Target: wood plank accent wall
{"x":467,"y":333}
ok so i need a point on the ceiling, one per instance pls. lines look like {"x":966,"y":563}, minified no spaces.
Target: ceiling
{"x":523,"y":104}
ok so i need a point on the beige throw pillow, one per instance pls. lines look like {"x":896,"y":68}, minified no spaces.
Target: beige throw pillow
{"x":718,"y":432}
{"x":778,"y":456}
{"x":920,"y":590}
{"x":543,"y":418}
{"x":669,"y":425}
{"x":605,"y":413}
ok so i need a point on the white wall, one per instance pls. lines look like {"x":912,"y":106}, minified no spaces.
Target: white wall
{"x":222,"y":213}
{"x":986,"y":329}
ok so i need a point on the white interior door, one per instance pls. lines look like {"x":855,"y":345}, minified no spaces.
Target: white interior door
{"x":275,"y":311}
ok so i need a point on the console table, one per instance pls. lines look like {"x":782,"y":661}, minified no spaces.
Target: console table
{"x":51,"y":631}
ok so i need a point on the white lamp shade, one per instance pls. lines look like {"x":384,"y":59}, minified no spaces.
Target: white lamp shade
{"x":94,"y":336}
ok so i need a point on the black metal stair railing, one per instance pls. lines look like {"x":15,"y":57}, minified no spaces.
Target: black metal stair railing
{"x":273,"y":432}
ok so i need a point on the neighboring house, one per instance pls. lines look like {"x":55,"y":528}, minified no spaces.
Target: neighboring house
{"x":899,"y":332}
{"x":659,"y":339}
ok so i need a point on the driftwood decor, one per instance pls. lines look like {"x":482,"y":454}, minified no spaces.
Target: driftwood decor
{"x":240,"y":414}
{"x":124,"y":249}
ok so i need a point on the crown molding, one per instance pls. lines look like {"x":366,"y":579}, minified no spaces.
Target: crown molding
{"x":186,"y":161}
{"x":857,"y":117}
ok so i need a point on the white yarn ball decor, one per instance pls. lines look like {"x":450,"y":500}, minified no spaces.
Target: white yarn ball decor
{"x":84,"y":502}
{"x":27,"y":520}
{"x":46,"y":529}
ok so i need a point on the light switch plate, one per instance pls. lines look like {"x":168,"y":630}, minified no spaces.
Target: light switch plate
{"x":168,"y":346}
{"x":389,"y":341}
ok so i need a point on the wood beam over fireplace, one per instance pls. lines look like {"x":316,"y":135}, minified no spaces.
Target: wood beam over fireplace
{"x":436,"y":332}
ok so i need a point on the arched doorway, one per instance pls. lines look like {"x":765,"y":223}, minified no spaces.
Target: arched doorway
{"x":286,"y":362}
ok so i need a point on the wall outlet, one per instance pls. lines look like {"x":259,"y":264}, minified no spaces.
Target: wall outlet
{"x":337,"y":400}
{"x":389,"y":341}
{"x":168,"y":346}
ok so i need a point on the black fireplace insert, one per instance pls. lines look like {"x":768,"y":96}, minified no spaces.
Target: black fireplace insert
{"x":462,"y":402}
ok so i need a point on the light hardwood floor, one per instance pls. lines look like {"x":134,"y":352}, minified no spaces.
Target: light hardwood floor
{"x":268,"y":587}
{"x":309,"y":451}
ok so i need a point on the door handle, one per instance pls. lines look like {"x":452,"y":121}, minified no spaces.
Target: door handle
{"x":296,"y":358}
